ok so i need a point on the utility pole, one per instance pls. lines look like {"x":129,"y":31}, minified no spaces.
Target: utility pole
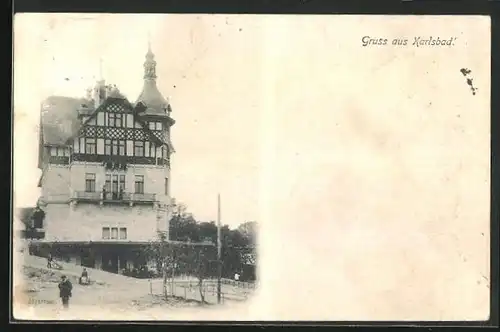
{"x":219,"y":247}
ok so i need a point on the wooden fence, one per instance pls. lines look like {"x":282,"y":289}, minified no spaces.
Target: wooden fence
{"x":190,"y":290}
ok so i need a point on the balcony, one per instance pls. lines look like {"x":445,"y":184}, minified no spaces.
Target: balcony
{"x":114,"y":198}
{"x":140,"y":198}
{"x":86,"y":196}
{"x":59,"y":160}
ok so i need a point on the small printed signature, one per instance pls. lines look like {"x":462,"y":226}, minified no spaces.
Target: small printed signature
{"x":34,"y":301}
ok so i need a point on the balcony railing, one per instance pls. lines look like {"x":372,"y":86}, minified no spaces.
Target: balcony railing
{"x":113,"y":197}
{"x":134,"y":197}
{"x":87,"y":195}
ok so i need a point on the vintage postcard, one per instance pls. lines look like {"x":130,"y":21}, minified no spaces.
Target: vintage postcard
{"x":251,"y":167}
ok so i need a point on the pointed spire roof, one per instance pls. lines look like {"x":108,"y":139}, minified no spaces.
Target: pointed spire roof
{"x":150,"y":96}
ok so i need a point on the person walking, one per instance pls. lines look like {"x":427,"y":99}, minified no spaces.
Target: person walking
{"x":65,"y":288}
{"x":49,"y":261}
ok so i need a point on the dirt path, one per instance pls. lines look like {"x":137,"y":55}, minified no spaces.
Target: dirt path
{"x":110,"y":297}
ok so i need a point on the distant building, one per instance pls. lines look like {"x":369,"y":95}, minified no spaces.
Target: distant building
{"x":105,"y":179}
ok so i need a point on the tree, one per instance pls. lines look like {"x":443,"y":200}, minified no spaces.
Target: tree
{"x":199,"y":259}
{"x":183,"y":226}
{"x":249,"y":231}
{"x":32,"y":218}
{"x":162,"y":253}
{"x":184,"y":252}
{"x":191,"y":248}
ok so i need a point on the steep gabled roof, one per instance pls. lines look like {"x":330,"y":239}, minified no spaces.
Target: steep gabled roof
{"x":60,"y":122}
{"x":59,"y":119}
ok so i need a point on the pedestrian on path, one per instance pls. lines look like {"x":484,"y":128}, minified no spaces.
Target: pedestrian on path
{"x":49,"y":261}
{"x":65,"y":288}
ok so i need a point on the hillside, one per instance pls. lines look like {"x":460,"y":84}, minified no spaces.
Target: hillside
{"x":109,"y":294}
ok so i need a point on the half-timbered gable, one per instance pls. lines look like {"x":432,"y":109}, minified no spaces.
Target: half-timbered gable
{"x":116,"y":132}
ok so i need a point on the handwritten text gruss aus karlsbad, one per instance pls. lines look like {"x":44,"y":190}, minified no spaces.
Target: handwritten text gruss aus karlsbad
{"x":416,"y":42}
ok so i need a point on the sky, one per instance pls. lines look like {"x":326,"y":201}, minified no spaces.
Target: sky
{"x":209,"y":67}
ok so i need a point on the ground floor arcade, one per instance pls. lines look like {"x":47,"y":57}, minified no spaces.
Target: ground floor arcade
{"x":121,"y":258}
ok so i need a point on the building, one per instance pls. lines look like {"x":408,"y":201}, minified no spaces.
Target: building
{"x":105,"y":183}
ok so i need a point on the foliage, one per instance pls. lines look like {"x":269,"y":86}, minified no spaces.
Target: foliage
{"x":191,"y":248}
{"x":32,"y":218}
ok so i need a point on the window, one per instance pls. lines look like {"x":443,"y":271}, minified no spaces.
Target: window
{"x":111,"y":119}
{"x":123,"y":233}
{"x":114,"y":184}
{"x":139,"y":149}
{"x":121,"y":147}
{"x":100,"y":118}
{"x":130,"y":121}
{"x":105,"y":233}
{"x":90,"y":146}
{"x":107,"y":185}
{"x":118,"y":120}
{"x":121,"y":185}
{"x":158,"y":125}
{"x":89,"y":182}
{"x":139,"y":184}
{"x":166,"y":186}
{"x":151,"y":126}
{"x":114,"y":147}
{"x":59,"y":152}
{"x":147,"y":151}
{"x":107,"y":147}
{"x":114,"y":233}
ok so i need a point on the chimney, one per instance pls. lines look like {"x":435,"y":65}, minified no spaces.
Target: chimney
{"x":100,"y":93}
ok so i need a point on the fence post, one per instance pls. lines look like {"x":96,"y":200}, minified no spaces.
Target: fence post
{"x":150,"y":287}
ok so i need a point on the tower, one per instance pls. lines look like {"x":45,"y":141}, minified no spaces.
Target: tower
{"x":105,"y":173}
{"x":156,"y":112}
{"x":150,"y":65}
